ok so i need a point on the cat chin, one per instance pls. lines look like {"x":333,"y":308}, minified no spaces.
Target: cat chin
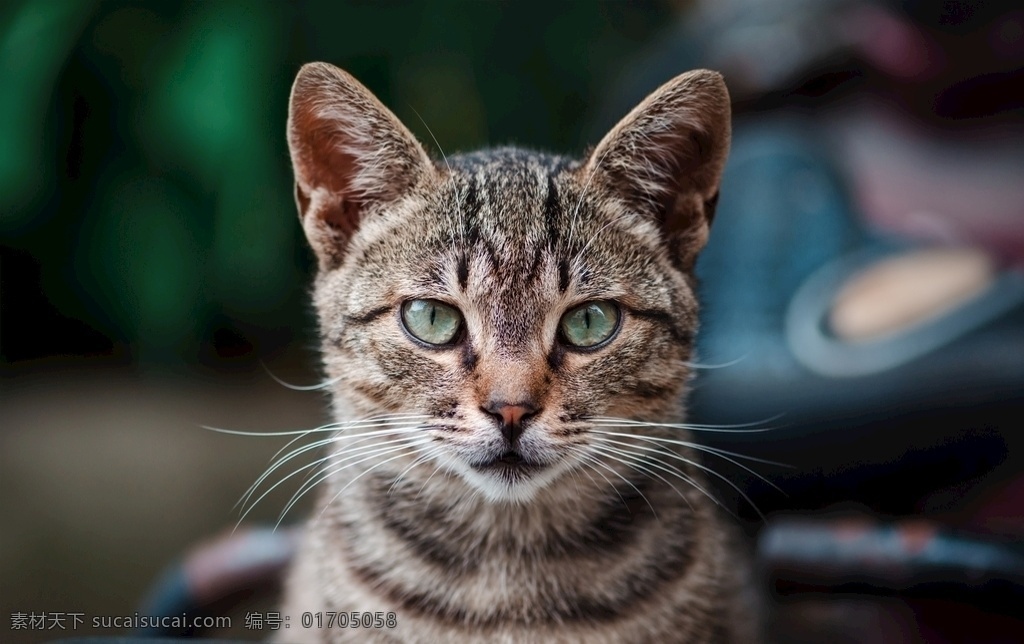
{"x":508,"y":486}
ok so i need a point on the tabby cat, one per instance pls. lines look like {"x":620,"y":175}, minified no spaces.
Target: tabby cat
{"x":507,"y":337}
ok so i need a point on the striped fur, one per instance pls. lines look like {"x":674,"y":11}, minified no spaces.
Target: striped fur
{"x":579,"y":546}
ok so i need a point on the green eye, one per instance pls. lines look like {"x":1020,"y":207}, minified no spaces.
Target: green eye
{"x":590,"y":324}
{"x":431,"y":321}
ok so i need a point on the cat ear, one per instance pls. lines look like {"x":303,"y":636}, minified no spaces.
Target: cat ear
{"x":665,"y":159}
{"x":350,"y":155}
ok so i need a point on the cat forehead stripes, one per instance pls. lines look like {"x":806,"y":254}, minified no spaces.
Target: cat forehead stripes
{"x":511,"y":195}
{"x":509,"y":237}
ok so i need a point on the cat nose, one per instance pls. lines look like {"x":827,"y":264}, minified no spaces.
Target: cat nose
{"x":510,"y":416}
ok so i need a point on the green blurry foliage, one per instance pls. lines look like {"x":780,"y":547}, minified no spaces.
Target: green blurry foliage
{"x":34,"y":45}
{"x":145,"y":190}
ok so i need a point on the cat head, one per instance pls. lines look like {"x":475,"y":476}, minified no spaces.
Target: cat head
{"x":508,"y":296}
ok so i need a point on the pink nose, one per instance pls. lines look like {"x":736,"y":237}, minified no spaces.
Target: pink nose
{"x":513,"y":414}
{"x":511,"y":417}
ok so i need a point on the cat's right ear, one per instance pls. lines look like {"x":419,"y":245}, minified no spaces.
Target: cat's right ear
{"x":351,"y":156}
{"x":664,"y":160}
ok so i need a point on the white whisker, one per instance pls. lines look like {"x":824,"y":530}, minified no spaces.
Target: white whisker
{"x":657,"y":440}
{"x":333,"y":459}
{"x":330,"y":427}
{"x":395,"y":430}
{"x":628,"y":482}
{"x":724,"y":454}
{"x":589,"y":475}
{"x":348,"y":450}
{"x":309,"y":485}
{"x":583,"y":194}
{"x":339,"y":434}
{"x":323,"y":385}
{"x":590,"y":460}
{"x":594,"y":237}
{"x":669,"y":468}
{"x":401,"y":475}
{"x":436,"y":470}
{"x":640,"y":468}
{"x":723,"y":365}
{"x":752,"y":427}
{"x":699,"y":466}
{"x":414,"y":447}
{"x":458,"y":199}
{"x":576,"y":482}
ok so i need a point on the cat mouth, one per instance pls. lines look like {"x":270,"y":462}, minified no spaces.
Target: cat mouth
{"x":509,"y":463}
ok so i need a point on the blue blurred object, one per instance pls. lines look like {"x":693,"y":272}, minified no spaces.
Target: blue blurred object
{"x":914,"y":557}
{"x":881,"y":422}
{"x":219,"y":573}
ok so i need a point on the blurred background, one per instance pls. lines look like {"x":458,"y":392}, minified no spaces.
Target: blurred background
{"x":863,"y":283}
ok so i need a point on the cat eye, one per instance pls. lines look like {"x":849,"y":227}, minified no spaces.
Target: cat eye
{"x":590,"y":324}
{"x":431,"y":321}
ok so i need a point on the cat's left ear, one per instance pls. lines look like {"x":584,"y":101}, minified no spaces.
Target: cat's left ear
{"x":664,"y":160}
{"x":351,"y":156}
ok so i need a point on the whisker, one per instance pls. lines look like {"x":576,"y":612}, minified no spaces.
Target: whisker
{"x":702,"y":467}
{"x":723,"y":365}
{"x":362,"y":437}
{"x":458,"y":199}
{"x":656,"y":440}
{"x":595,"y":236}
{"x":340,"y":435}
{"x":334,"y":458}
{"x":576,"y":482}
{"x":397,"y":429}
{"x":403,"y":449}
{"x":589,"y":460}
{"x":751,"y":427}
{"x":590,"y":476}
{"x":665,"y":467}
{"x":726,"y":453}
{"x":697,"y":446}
{"x":671,"y":469}
{"x":583,"y":194}
{"x":436,"y":470}
{"x":628,"y":482}
{"x":428,"y":455}
{"x":323,"y":385}
{"x":330,"y":427}
{"x":364,"y":473}
{"x":607,"y":451}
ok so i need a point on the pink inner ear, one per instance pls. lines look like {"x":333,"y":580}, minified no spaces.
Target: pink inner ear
{"x":324,"y":168}
{"x":317,"y":152}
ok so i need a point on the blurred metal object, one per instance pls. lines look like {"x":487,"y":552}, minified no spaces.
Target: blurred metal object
{"x":763,"y":46}
{"x":233,"y":565}
{"x":912,"y":558}
{"x":918,"y":319}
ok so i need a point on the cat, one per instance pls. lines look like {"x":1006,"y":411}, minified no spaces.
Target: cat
{"x":507,"y":335}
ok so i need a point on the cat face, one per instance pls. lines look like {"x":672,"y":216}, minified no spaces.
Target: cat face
{"x":508,"y":297}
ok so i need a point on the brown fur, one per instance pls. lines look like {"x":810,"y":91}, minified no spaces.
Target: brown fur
{"x":586,"y":546}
